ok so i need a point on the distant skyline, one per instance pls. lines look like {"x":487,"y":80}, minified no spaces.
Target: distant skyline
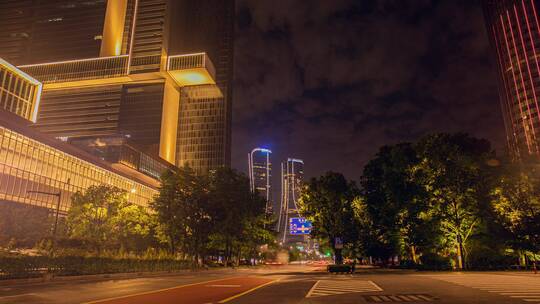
{"x":396,"y":71}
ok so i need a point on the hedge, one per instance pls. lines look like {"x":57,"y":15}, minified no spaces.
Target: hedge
{"x":13,"y":267}
{"x":343,"y":268}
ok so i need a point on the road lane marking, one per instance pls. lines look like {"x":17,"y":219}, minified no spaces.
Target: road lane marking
{"x":247,"y":291}
{"x":312,"y":289}
{"x":19,"y":295}
{"x":223,"y":285}
{"x":399,"y":298}
{"x":517,"y":287}
{"x":153,"y":291}
{"x":335,"y":287}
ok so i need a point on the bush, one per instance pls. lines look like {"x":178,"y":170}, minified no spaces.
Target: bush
{"x":407,"y":264}
{"x":12,"y":267}
{"x":489,"y":260}
{"x":339,"y":268}
{"x":433,"y":261}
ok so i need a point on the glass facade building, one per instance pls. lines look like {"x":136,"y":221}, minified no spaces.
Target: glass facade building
{"x":158,"y":72}
{"x":260,"y":169}
{"x":292,"y":176}
{"x":34,"y":31}
{"x":514,"y":32}
{"x":30,"y":165}
{"x":31,"y":161}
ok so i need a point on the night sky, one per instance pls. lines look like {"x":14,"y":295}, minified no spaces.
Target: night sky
{"x":332,"y":81}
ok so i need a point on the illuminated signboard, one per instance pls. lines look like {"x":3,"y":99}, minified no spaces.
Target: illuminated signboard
{"x":299,"y":226}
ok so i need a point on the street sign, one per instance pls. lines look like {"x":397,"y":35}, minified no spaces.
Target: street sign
{"x":299,"y":226}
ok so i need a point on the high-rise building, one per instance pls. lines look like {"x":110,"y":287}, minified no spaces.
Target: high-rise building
{"x":155,"y":73}
{"x":514,"y":30}
{"x":40,"y":171}
{"x":292,"y":176}
{"x":260,"y":169}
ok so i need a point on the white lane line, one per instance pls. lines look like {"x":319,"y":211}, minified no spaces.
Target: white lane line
{"x":312,"y":289}
{"x":511,"y":286}
{"x":223,"y":285}
{"x":19,"y":295}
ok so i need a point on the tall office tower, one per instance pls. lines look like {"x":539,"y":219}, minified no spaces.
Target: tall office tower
{"x":140,"y":71}
{"x":514,"y":30}
{"x":292,"y":176}
{"x":260,"y":169}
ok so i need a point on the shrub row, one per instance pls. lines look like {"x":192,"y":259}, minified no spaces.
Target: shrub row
{"x":12,"y":267}
{"x":344,"y":268}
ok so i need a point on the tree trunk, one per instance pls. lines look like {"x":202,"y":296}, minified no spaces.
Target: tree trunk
{"x":172,"y":244}
{"x":227,"y":253}
{"x":339,"y":256}
{"x":413,"y":254}
{"x":461,"y":262}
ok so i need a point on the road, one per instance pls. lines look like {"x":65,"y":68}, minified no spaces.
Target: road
{"x":288,"y":284}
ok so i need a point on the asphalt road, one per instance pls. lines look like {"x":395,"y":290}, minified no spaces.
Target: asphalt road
{"x":289,"y":284}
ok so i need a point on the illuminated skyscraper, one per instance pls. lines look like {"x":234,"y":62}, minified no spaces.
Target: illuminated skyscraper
{"x":156,"y":73}
{"x":292,"y":176}
{"x":260,"y":169}
{"x":514,"y":30}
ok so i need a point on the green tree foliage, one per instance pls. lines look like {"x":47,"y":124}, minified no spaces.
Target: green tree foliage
{"x":239,"y":214}
{"x":103,"y":218}
{"x":328,"y":202}
{"x":431,"y":201}
{"x":180,"y":210}
{"x":451,"y":170}
{"x":212,"y":214}
{"x":516,"y":201}
{"x":396,"y":203}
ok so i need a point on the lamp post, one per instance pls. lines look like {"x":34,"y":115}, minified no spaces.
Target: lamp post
{"x":58,"y":200}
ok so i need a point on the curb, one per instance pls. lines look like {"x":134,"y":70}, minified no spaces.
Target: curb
{"x":93,"y":277}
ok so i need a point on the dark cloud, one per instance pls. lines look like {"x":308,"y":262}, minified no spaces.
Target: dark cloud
{"x":332,"y":81}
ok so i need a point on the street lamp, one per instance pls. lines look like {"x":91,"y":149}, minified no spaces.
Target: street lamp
{"x":59,"y":199}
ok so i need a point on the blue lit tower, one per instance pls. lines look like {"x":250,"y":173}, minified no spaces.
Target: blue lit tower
{"x":292,"y":175}
{"x":260,"y":169}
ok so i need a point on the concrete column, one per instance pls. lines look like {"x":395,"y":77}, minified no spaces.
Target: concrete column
{"x":169,"y":121}
{"x":113,"y":29}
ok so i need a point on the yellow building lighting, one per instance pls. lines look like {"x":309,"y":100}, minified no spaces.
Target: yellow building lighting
{"x":25,"y":100}
{"x":113,"y":28}
{"x":169,"y":122}
{"x":28,"y":164}
{"x":191,"y":69}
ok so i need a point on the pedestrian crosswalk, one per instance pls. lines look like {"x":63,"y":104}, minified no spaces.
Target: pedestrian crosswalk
{"x":336,"y":287}
{"x":399,"y":298}
{"x":518,"y":287}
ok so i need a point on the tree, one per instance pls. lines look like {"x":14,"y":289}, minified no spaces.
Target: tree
{"x":327,"y":202}
{"x":396,"y":203}
{"x":451,"y":170}
{"x":135,"y":227}
{"x":516,"y":201}
{"x":92,"y":215}
{"x":103,"y":217}
{"x":181,"y":211}
{"x":238,"y":214}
